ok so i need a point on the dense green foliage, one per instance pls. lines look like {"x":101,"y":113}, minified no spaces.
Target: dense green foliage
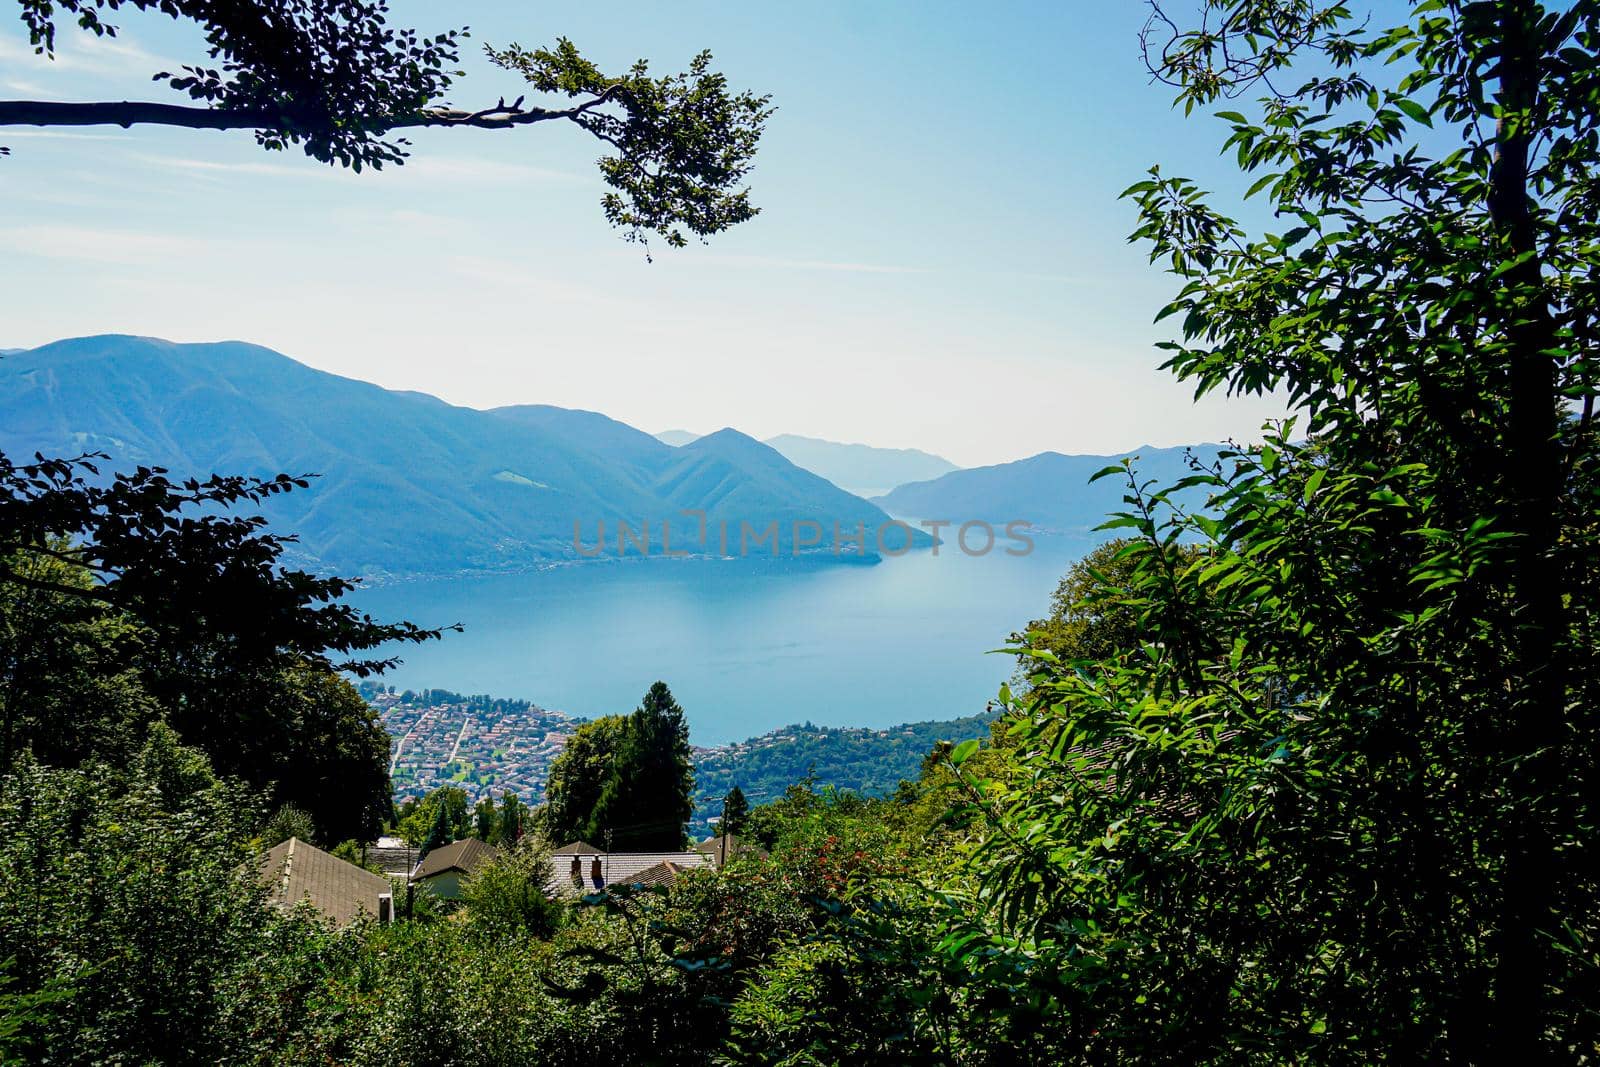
{"x":577,"y":777}
{"x":123,"y":889}
{"x":858,"y":760}
{"x":136,"y":600}
{"x":1334,"y":803}
{"x":735,"y":812}
{"x":1095,"y":610}
{"x":645,"y":802}
{"x":624,"y":783}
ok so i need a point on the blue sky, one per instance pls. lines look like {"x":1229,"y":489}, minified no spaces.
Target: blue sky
{"x":940,"y":262}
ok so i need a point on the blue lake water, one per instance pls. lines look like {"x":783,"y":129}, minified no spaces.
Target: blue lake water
{"x":746,"y":645}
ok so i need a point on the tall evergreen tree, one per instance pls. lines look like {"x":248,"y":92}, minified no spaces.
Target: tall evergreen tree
{"x":735,"y":811}
{"x":646,"y":802}
{"x":512,"y":819}
{"x":441,"y":833}
{"x":485,"y":820}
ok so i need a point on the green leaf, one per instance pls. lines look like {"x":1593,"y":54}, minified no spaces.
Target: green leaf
{"x":963,"y":752}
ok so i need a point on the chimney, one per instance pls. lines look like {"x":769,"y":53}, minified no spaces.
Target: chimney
{"x":595,"y":875}
{"x":385,"y":908}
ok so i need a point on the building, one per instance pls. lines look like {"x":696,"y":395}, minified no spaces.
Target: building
{"x":443,"y":869}
{"x":725,"y":847}
{"x":294,"y":871}
{"x":580,"y":868}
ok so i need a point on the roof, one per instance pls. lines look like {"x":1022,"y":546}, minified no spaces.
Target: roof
{"x":625,"y":868}
{"x":294,"y":871}
{"x":396,"y":861}
{"x":579,"y":848}
{"x":664,"y":873}
{"x":466,"y":856}
{"x":722,"y":849}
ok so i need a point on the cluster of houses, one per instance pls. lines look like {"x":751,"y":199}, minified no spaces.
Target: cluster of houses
{"x":295,"y":871}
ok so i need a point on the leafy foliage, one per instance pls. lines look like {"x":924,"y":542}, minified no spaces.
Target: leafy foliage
{"x":338,"y":79}
{"x":624,"y":783}
{"x":134,"y":600}
{"x":1333,"y":802}
{"x":329,"y":76}
{"x":129,"y":892}
{"x":684,"y":142}
{"x":645,"y":803}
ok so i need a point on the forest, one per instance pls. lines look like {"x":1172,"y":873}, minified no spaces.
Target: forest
{"x":1304,"y":774}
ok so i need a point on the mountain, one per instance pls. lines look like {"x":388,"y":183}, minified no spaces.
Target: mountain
{"x":864,"y":470}
{"x":1051,"y":491}
{"x":409,"y":485}
{"x":860,"y":469}
{"x":676,"y":437}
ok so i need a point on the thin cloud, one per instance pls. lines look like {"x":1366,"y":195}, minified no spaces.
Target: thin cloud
{"x":810,"y":264}
{"x":63,"y":135}
{"x":87,"y":54}
{"x":121,"y":247}
{"x":480,"y":170}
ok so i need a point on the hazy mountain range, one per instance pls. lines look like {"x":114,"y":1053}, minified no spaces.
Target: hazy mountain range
{"x":861,"y":469}
{"x":1051,"y":491}
{"x":408,"y":484}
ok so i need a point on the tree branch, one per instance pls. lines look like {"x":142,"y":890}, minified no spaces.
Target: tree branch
{"x":126,"y":113}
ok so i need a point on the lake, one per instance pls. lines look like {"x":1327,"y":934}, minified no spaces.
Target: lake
{"x":746,"y":645}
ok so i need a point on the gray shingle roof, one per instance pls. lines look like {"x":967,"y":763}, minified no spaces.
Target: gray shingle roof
{"x":734,"y":846}
{"x":624,"y":868}
{"x":466,"y":856}
{"x":294,"y":871}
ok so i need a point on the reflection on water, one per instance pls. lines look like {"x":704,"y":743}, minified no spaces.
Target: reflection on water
{"x":746,"y":645}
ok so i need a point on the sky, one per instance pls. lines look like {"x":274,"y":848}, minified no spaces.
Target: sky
{"x":940,"y":261}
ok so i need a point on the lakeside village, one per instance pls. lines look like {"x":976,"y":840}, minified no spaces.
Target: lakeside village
{"x":487,"y":747}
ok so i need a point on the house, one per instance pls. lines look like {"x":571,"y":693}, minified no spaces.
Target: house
{"x":725,"y":847}
{"x":294,"y":871}
{"x":443,"y":869}
{"x":392,"y":856}
{"x":581,"y":868}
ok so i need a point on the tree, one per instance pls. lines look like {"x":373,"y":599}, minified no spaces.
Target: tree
{"x":331,"y":755}
{"x":735,"y":811}
{"x":444,"y":810}
{"x":510,"y":894}
{"x":647,"y":797}
{"x":1089,"y":617}
{"x":1339,"y":807}
{"x":577,"y":777}
{"x":132,"y":889}
{"x":440,"y":832}
{"x":133,"y":599}
{"x":484,"y":820}
{"x":339,"y":81}
{"x":511,"y":822}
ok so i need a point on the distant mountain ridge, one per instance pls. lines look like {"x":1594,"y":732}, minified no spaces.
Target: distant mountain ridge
{"x":865,"y":470}
{"x":409,"y":485}
{"x":1051,"y":491}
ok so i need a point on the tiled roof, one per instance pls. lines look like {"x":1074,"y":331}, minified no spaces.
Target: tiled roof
{"x":395,"y":861}
{"x":664,"y":873}
{"x":295,"y":871}
{"x":722,"y":849}
{"x":579,"y":848}
{"x":625,"y":868}
{"x":466,"y":856}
